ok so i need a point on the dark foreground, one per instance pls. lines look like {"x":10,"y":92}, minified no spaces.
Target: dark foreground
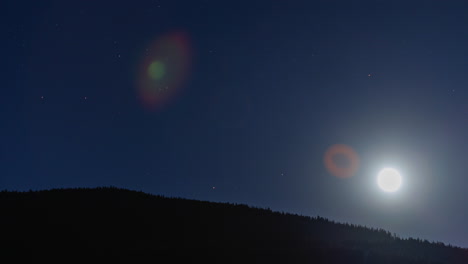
{"x":113,"y":225}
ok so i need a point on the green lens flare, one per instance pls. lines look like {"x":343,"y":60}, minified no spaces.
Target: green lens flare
{"x":156,"y":70}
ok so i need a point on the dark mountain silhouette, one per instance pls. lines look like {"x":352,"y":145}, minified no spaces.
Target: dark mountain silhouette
{"x":117,"y":225}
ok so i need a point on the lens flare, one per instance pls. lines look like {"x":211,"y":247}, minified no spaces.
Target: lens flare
{"x":156,"y":70}
{"x":164,"y":69}
{"x":341,"y":161}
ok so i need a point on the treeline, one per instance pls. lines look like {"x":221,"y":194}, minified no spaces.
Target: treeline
{"x":111,"y":224}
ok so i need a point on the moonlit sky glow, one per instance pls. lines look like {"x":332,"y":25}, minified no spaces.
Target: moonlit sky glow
{"x":291,"y":105}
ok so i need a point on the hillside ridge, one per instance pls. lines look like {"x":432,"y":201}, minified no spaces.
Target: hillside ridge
{"x":109,"y":222}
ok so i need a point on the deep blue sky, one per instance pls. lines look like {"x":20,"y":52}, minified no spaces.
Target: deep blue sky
{"x":271,"y":85}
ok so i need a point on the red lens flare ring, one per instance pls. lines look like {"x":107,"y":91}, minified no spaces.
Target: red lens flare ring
{"x":352,"y":161}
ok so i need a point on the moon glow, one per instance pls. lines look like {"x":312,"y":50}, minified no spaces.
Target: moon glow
{"x":389,"y":180}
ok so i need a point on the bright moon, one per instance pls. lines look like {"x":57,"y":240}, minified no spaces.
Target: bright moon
{"x":389,"y":180}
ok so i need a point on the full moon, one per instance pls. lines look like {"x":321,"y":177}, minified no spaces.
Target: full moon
{"x":389,"y":180}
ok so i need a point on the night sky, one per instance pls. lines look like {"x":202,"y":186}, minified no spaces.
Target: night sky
{"x":238,"y":101}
